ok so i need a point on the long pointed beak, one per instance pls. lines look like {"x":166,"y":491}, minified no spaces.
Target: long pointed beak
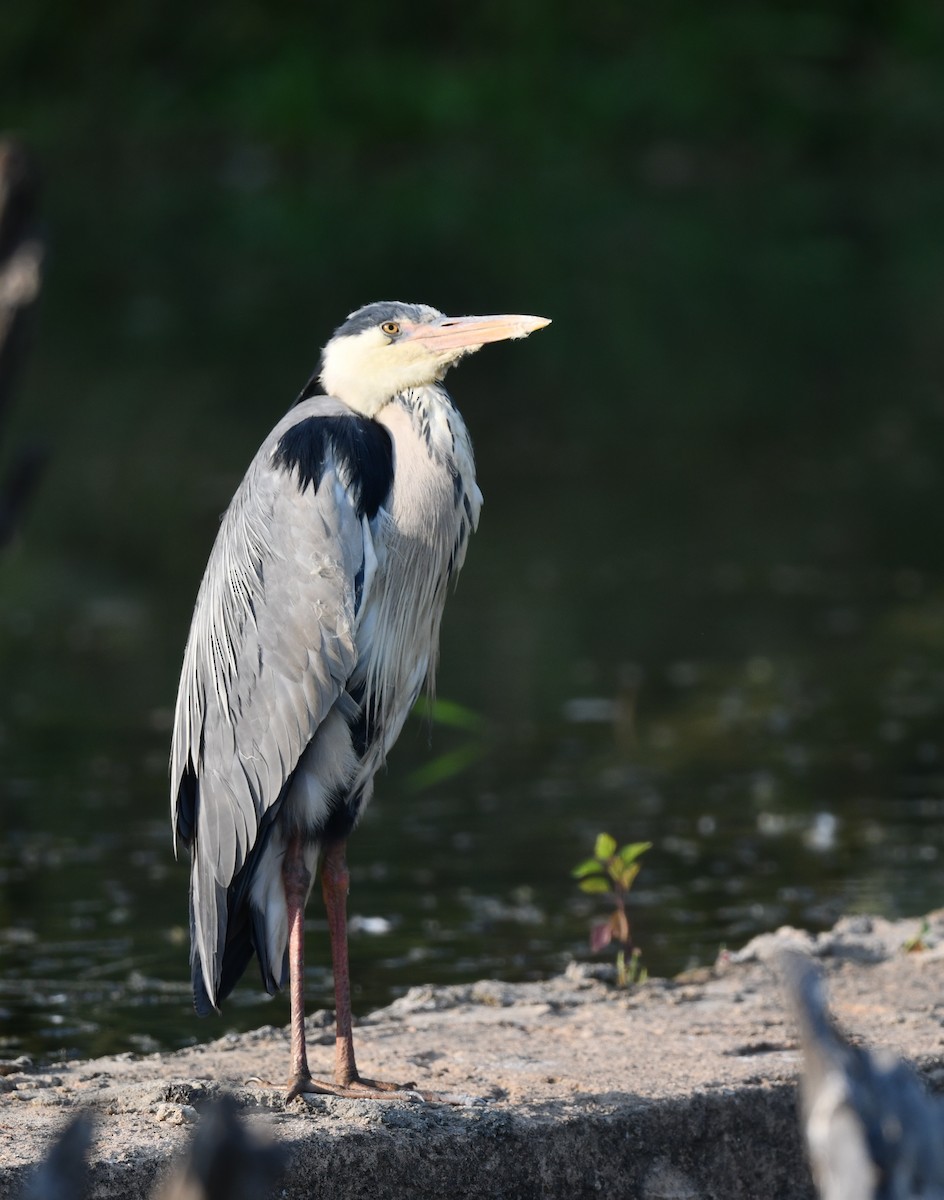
{"x":454,"y":333}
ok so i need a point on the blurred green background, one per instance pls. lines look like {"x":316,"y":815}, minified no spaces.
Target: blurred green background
{"x":706,"y":603}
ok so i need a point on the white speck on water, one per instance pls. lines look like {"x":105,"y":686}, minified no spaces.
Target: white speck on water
{"x":375,"y":926}
{"x":821,"y":833}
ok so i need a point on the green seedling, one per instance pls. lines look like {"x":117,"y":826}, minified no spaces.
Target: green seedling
{"x":611,"y":872}
{"x":916,"y":943}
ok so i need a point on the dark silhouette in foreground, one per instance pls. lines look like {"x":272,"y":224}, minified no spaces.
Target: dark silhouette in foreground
{"x":225,"y":1162}
{"x":872,"y":1130}
{"x":63,"y":1174}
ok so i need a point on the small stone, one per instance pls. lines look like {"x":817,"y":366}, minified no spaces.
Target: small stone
{"x":176,"y":1114}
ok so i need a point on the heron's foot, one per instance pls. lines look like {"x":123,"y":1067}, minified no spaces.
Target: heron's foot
{"x":371,"y":1089}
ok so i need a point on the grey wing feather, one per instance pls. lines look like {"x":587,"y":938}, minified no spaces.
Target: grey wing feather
{"x":271,"y":648}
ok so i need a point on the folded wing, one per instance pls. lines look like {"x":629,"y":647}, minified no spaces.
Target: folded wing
{"x":271,"y":646}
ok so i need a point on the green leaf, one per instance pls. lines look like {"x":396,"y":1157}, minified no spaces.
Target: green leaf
{"x":625,"y":876}
{"x":621,"y":976}
{"x":595,"y":884}
{"x":589,"y":866}
{"x":449,"y":713}
{"x":632,"y":851}
{"x":605,"y":847}
{"x":446,"y":766}
{"x":916,"y":941}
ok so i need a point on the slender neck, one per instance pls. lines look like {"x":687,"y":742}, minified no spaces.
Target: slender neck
{"x":434,"y":417}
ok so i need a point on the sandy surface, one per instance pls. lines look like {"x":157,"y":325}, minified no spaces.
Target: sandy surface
{"x":570,"y":1085}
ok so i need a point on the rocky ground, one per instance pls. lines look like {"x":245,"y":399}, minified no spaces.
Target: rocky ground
{"x":679,"y":1088}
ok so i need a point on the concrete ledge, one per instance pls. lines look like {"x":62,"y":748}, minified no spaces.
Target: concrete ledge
{"x":679,"y":1089}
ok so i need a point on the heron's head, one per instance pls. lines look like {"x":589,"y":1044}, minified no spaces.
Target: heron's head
{"x":386,"y":348}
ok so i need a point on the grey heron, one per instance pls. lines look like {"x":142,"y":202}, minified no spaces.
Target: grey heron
{"x":315,"y":628}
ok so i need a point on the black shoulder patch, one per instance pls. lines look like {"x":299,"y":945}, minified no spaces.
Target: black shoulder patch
{"x":360,"y":447}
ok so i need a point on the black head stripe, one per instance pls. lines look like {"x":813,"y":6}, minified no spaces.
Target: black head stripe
{"x":375,"y":314}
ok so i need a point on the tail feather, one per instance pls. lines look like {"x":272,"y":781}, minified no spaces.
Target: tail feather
{"x":239,"y":929}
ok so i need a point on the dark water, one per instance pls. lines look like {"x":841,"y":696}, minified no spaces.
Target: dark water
{"x":705,"y":607}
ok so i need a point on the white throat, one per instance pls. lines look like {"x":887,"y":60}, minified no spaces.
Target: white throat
{"x":366,"y":375}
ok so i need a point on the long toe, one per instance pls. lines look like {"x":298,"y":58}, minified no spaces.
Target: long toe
{"x":380,"y":1089}
{"x":373,"y":1089}
{"x":300,"y":1084}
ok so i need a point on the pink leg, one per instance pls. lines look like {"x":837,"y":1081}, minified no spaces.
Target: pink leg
{"x":297,"y":880}
{"x":335,"y":881}
{"x":334,"y":886}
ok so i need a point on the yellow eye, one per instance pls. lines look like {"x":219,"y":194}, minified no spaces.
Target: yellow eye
{"x":390,"y":328}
